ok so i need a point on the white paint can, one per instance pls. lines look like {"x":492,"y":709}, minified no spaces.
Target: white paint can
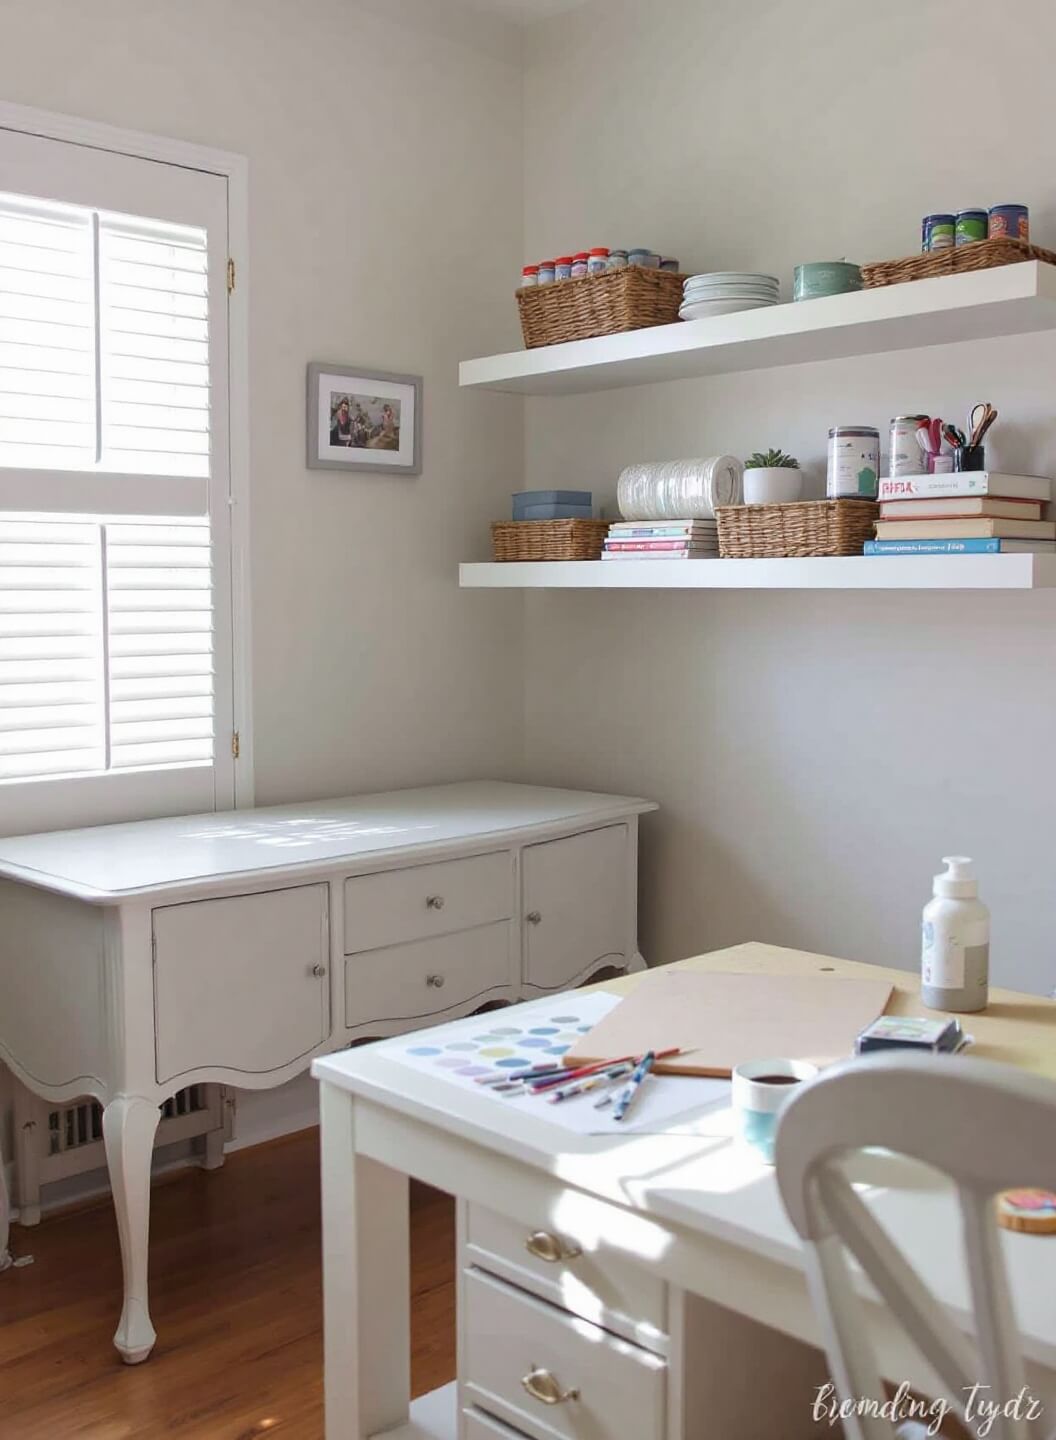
{"x":905,"y":458}
{"x":854,"y":462}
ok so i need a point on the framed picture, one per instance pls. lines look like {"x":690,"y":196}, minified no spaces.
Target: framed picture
{"x":364,"y":420}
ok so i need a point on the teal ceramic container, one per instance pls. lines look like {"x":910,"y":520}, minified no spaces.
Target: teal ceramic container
{"x":825,"y":277}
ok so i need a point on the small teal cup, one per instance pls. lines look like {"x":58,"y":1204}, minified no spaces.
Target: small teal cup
{"x":761,"y":1089}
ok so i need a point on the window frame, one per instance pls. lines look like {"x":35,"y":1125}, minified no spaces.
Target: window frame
{"x":234,"y":169}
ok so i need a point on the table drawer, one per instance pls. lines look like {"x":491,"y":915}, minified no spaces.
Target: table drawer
{"x":510,"y":1339}
{"x":422,"y":900}
{"x":409,"y":982}
{"x":580,"y":1273}
{"x":478,"y":1426}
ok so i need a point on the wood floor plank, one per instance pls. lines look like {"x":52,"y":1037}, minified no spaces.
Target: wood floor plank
{"x":236,"y":1298}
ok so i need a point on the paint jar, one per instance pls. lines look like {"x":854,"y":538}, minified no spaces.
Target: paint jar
{"x":1012,"y":220}
{"x":579,"y":265}
{"x":563,"y":267}
{"x":598,"y":260}
{"x":905,"y":455}
{"x":652,"y":261}
{"x":638,"y":257}
{"x":854,"y":462}
{"x":546,"y":273}
{"x":938,"y":232}
{"x":971,"y":225}
{"x":669,"y":264}
{"x":617,"y":260}
{"x":529,"y":277}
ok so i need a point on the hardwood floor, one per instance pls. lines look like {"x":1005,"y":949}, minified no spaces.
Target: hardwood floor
{"x":236,"y":1299}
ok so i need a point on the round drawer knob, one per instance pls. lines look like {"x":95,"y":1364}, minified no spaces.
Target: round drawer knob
{"x":533,"y":917}
{"x":434,"y":902}
{"x":546,"y":1388}
{"x":318,"y":971}
{"x":551,"y":1248}
{"x":436,"y":981}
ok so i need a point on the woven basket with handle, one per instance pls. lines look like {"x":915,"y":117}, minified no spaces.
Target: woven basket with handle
{"x":617,"y":300}
{"x":548,"y":539}
{"x":802,"y":527}
{"x":979,"y":255}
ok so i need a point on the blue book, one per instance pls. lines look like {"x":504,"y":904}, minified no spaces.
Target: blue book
{"x":959,"y":547}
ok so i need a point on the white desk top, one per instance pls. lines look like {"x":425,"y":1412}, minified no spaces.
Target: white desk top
{"x":106,"y":863}
{"x":709,"y":1183}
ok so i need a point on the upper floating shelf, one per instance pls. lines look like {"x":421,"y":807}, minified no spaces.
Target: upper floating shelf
{"x":978,"y":305}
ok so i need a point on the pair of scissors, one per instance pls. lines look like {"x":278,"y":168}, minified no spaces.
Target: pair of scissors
{"x":980,"y":419}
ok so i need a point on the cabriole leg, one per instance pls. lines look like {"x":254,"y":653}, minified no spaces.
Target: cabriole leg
{"x":129,"y":1126}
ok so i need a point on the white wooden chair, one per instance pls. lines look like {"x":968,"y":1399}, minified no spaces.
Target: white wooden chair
{"x":987,"y":1127}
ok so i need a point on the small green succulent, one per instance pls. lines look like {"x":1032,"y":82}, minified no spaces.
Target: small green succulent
{"x":771,"y":460}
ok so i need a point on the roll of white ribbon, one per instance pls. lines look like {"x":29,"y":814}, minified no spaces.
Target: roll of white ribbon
{"x":680,"y":489}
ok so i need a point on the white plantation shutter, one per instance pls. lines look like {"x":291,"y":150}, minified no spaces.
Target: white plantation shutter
{"x":52,"y":686}
{"x":115,"y":603}
{"x":106,"y":646}
{"x":47,"y":335}
{"x":154,"y":347}
{"x":161,"y":643}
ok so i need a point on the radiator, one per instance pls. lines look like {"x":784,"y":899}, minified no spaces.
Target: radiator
{"x":55,"y":1142}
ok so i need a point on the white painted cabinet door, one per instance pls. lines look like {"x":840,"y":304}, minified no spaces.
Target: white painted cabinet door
{"x":576,"y":906}
{"x":241,"y":983}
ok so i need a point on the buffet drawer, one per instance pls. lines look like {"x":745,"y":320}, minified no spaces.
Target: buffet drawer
{"x":415,"y":903}
{"x":427,"y":977}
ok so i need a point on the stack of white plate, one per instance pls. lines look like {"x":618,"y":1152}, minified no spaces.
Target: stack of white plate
{"x":725,"y":291}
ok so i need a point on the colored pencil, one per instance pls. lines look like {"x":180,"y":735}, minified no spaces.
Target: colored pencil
{"x":581,"y":1087}
{"x":581,"y":1072}
{"x":634,"y":1084}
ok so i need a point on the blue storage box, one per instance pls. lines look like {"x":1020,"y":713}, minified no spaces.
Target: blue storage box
{"x":554,"y":512}
{"x":525,"y":500}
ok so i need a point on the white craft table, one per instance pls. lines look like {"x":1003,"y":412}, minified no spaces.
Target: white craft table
{"x":137,"y":960}
{"x":577,"y":1310}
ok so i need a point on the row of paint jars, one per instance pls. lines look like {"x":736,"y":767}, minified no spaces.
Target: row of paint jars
{"x":592,"y":262}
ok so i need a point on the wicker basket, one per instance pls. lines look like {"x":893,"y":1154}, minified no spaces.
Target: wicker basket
{"x":804,"y":527}
{"x":548,"y":539}
{"x":979,"y":255}
{"x":629,"y":299}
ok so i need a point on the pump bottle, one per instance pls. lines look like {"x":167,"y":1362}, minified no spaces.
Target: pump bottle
{"x":955,"y":954}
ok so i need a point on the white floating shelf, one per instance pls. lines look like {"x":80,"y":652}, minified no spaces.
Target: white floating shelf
{"x":977,"y":305}
{"x":850,"y":572}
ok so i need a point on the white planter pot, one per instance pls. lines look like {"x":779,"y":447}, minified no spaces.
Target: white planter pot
{"x":772,"y":485}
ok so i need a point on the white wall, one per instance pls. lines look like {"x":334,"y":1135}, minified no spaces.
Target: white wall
{"x":814,"y":755}
{"x":384,"y":140}
{"x":385,"y":190}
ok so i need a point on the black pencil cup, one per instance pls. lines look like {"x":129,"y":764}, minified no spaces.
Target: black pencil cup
{"x":969,"y":457}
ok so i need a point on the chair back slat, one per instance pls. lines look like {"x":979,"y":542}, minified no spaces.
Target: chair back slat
{"x":1002,"y":1366}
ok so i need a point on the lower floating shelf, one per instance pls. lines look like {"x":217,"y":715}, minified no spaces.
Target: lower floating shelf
{"x":825,"y":572}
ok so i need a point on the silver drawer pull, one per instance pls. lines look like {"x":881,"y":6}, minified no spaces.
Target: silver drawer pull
{"x":533,"y":917}
{"x":318,"y":971}
{"x":550,"y":1248}
{"x":545,"y":1388}
{"x":436,"y":981}
{"x":434,"y":902}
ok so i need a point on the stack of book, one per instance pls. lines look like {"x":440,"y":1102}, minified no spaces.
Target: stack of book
{"x":966,"y":513}
{"x":662,"y":540}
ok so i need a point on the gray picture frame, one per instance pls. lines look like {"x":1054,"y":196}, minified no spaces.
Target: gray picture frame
{"x":361,"y":379}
